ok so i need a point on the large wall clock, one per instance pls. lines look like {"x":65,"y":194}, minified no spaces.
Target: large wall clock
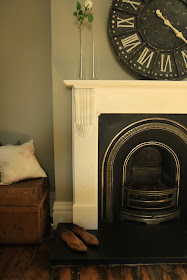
{"x":150,"y":36}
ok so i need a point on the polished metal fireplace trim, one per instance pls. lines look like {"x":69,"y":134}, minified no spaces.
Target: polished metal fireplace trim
{"x":157,"y":218}
{"x":131,"y":130}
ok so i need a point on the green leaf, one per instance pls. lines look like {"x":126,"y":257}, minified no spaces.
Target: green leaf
{"x":81,"y":12}
{"x":90,"y":17}
{"x":75,"y":14}
{"x":78,"y":6}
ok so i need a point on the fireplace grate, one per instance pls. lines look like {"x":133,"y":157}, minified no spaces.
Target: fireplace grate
{"x":145,"y":191}
{"x":153,"y":200}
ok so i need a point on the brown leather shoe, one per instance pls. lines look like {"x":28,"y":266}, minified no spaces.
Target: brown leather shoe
{"x":88,"y":238}
{"x":72,"y":241}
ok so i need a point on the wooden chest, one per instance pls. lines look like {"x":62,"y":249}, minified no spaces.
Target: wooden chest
{"x":24,"y":211}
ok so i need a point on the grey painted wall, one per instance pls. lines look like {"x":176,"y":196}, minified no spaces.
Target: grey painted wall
{"x":25,"y":77}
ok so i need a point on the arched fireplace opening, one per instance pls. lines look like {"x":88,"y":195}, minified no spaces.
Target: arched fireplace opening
{"x":150,"y":186}
{"x":143,"y":172}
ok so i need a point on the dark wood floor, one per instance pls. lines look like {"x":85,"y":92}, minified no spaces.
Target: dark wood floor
{"x":30,"y":262}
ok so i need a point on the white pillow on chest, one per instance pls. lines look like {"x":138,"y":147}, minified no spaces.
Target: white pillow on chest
{"x":19,"y":163}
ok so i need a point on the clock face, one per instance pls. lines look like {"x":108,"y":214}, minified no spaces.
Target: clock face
{"x":150,"y":36}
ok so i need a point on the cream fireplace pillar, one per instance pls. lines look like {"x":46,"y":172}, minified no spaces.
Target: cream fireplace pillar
{"x":85,"y":156}
{"x":90,"y":98}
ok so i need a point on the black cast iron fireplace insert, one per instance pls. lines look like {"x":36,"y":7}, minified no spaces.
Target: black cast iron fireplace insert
{"x":143,"y":169}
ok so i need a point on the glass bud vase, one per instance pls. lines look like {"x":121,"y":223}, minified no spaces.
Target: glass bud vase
{"x":93,"y":64}
{"x":87,"y":53}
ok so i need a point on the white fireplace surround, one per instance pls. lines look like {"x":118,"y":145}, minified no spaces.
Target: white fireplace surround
{"x":90,"y":99}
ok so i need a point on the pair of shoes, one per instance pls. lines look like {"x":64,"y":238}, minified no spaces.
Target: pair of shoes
{"x":74,"y":243}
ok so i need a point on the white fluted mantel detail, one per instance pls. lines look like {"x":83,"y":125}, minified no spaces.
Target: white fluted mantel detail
{"x":84,"y":102}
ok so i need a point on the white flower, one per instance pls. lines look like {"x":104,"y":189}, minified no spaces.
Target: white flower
{"x":88,"y":4}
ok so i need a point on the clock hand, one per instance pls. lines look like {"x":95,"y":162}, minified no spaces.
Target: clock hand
{"x":167,"y":22}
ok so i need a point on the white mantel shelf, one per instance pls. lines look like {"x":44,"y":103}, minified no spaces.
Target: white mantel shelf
{"x":122,"y":83}
{"x":128,"y":96}
{"x":90,"y":98}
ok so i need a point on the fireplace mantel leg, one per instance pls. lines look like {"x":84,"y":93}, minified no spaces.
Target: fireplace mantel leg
{"x":85,"y":159}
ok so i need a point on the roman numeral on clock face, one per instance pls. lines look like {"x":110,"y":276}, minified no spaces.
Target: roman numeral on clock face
{"x":128,"y":22}
{"x":134,"y":4}
{"x":145,"y":57}
{"x":131,"y":42}
{"x":181,"y":61}
{"x":184,"y":55}
{"x":165,"y":67}
{"x":165,"y":64}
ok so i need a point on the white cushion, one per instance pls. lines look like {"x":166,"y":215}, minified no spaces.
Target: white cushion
{"x":19,"y":163}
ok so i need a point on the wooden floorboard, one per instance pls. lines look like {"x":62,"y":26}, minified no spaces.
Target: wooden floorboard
{"x":30,"y":262}
{"x":92,"y":272}
{"x":172,"y":272}
{"x":153,"y":272}
{"x":62,"y":273}
{"x":113,"y":273}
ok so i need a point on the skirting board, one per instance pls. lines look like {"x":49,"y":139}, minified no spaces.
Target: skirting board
{"x":52,"y":197}
{"x":81,"y":214}
{"x":86,"y":215}
{"x":62,"y":212}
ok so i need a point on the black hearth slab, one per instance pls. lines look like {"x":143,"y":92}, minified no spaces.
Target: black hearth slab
{"x":127,"y":242}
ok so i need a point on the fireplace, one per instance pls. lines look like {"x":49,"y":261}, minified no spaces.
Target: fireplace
{"x":129,"y":143}
{"x":153,"y":106}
